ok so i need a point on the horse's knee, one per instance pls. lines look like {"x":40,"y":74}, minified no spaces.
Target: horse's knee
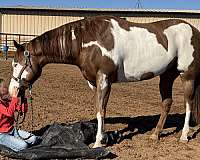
{"x":189,"y":89}
{"x":167,"y":104}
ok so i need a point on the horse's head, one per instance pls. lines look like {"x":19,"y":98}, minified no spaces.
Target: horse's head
{"x":26,"y":68}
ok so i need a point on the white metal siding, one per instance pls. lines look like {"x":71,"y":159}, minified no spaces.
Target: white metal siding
{"x":32,"y":24}
{"x":37,"y":24}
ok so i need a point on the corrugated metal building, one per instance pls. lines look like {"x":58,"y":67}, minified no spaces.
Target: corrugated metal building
{"x":34,"y":21}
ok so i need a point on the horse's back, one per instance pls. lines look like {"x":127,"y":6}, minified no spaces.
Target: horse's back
{"x":149,"y":48}
{"x":145,"y":50}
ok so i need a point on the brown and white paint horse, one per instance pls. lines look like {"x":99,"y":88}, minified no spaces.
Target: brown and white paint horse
{"x":109,"y":50}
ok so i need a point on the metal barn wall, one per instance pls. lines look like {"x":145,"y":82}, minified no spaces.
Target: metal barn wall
{"x":29,"y":24}
{"x":32,"y":24}
{"x":35,"y":21}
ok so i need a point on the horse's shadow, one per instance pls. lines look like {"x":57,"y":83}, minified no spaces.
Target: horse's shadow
{"x":139,"y":125}
{"x":144,"y":124}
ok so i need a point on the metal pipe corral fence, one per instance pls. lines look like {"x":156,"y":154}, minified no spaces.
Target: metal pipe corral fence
{"x":6,"y":42}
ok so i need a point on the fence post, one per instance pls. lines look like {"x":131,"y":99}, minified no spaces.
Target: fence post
{"x":19,"y":38}
{"x":5,"y":49}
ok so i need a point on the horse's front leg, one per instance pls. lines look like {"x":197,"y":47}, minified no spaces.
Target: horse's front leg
{"x":102,"y":95}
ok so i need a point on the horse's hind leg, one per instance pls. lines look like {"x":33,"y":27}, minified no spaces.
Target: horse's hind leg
{"x":166,"y":84}
{"x":102,"y":95}
{"x":188,"y":93}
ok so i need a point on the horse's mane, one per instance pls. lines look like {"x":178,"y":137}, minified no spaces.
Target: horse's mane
{"x":51,"y":42}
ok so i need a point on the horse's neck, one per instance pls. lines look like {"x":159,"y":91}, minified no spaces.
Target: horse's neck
{"x":57,"y":49}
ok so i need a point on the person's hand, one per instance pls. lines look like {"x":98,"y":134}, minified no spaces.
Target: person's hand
{"x":24,"y":107}
{"x":15,"y":92}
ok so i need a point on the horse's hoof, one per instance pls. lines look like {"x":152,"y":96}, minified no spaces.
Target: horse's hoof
{"x":105,"y":139}
{"x":97,"y":145}
{"x":113,"y":138}
{"x":154,"y":137}
{"x":183,"y":140}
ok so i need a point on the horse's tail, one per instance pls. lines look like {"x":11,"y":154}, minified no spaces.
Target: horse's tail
{"x":195,"y":105}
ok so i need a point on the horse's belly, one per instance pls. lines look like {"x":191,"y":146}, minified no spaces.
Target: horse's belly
{"x":143,"y":67}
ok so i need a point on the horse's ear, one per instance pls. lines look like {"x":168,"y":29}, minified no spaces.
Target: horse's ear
{"x":17,"y":45}
{"x":1,"y":80}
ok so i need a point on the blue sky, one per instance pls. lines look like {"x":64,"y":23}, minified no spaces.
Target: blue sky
{"x":147,"y":4}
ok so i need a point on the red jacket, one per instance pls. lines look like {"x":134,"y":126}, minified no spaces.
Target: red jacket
{"x":7,"y":114}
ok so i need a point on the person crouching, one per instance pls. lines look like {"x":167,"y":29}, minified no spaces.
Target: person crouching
{"x":9,"y":135}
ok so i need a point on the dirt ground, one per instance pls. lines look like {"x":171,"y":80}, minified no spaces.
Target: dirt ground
{"x":61,"y":94}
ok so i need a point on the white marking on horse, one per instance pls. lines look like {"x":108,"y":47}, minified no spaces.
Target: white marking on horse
{"x":186,"y":124}
{"x":63,"y":42}
{"x":104,"y":51}
{"x":179,"y":38}
{"x":99,"y":135}
{"x":137,"y":52}
{"x":73,"y":35}
{"x":104,"y":82}
{"x":90,"y":85}
{"x":106,"y":20}
{"x":61,"y":45}
{"x":16,"y":70}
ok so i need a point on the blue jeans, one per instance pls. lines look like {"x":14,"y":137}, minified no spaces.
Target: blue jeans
{"x":13,"y":141}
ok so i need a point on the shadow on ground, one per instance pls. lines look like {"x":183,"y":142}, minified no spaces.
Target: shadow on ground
{"x":143,"y":124}
{"x":137,"y":125}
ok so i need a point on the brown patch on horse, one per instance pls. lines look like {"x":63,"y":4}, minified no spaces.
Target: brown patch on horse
{"x":98,"y":30}
{"x":94,"y":62}
{"x":54,"y":45}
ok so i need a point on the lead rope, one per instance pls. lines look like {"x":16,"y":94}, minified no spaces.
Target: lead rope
{"x":30,"y":101}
